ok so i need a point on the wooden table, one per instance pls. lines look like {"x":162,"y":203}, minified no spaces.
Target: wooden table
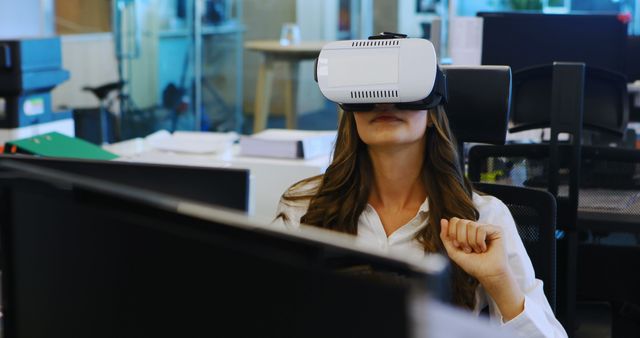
{"x":291,"y":55}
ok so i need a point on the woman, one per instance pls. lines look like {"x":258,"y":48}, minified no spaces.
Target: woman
{"x":395,"y":182}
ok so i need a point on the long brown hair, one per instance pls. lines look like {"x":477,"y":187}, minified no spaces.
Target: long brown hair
{"x":343,"y":191}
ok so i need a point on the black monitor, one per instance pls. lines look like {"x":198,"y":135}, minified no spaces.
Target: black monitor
{"x":633,"y":55}
{"x":85,"y":257}
{"x":224,"y":187}
{"x":522,"y":40}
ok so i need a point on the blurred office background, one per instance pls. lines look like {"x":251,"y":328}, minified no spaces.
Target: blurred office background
{"x":183,"y":65}
{"x":189,"y":64}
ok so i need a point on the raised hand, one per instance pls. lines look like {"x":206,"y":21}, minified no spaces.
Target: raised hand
{"x":477,"y":248}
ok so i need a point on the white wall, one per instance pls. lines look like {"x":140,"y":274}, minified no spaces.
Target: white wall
{"x":409,"y":22}
{"x":318,"y":19}
{"x":90,"y":58}
{"x":26,"y":18}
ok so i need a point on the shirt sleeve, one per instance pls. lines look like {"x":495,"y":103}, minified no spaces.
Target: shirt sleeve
{"x":537,"y":319}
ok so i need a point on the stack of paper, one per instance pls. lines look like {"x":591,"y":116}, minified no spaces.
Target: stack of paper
{"x":285,"y":143}
{"x":191,"y":142}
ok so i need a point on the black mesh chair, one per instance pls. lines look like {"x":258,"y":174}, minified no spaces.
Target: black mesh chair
{"x":606,"y":100}
{"x":488,"y":105}
{"x":534,"y":212}
{"x":557,"y":93}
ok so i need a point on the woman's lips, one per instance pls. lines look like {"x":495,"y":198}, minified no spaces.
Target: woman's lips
{"x":386,"y":118}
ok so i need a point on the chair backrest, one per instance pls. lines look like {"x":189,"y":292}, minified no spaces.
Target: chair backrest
{"x":534,"y":212}
{"x":487,"y":104}
{"x":606,"y":100}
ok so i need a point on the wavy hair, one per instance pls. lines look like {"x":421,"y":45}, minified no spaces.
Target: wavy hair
{"x":343,"y":191}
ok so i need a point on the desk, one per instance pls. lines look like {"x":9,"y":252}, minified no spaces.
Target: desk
{"x":601,"y":219}
{"x":612,"y":216}
{"x":269,"y":177}
{"x":609,"y":220}
{"x":290,"y":55}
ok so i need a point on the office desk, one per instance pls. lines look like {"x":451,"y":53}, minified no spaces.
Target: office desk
{"x":609,"y":219}
{"x":291,"y":56}
{"x":601,"y":219}
{"x":269,"y":177}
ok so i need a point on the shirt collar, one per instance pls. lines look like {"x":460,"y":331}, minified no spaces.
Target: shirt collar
{"x":424,"y":207}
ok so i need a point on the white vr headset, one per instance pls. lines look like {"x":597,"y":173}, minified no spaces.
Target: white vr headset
{"x":387,"y":68}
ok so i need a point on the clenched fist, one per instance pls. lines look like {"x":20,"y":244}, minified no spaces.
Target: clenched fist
{"x":477,"y":248}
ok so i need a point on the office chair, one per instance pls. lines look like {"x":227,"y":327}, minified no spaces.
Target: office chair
{"x":488,"y":106}
{"x":550,"y":96}
{"x":606,"y":100}
{"x":534,"y":212}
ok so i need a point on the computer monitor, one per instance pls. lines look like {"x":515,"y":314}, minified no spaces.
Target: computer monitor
{"x":85,"y":257}
{"x":226,"y":187}
{"x":633,"y":55}
{"x":522,"y":40}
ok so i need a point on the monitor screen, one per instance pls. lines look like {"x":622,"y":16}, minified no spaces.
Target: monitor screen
{"x":92,"y":258}
{"x":522,"y":40}
{"x":224,"y":187}
{"x":633,"y":55}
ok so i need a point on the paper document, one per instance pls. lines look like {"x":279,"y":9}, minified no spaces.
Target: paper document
{"x":466,"y":41}
{"x":285,"y":143}
{"x":191,"y":141}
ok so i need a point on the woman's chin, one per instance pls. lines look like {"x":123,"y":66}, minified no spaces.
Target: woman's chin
{"x":387,"y":141}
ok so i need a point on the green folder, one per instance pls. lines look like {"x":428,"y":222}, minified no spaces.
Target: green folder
{"x":58,"y":145}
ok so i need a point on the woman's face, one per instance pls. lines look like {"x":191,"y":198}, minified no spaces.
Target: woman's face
{"x":386,"y":125}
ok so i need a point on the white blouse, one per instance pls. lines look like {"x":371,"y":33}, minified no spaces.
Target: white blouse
{"x":537,"y":319}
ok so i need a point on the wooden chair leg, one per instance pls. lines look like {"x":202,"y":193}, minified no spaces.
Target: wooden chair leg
{"x":290,"y":95}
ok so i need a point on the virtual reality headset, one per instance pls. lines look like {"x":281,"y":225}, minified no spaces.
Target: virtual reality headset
{"x":387,"y":68}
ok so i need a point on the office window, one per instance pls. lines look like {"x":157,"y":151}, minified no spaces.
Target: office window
{"x":194,"y":64}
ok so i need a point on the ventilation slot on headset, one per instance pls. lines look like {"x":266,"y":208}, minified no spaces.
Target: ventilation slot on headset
{"x":371,"y":94}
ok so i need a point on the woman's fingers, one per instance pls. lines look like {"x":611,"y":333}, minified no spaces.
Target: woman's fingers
{"x":481,"y":238}
{"x":467,"y":235}
{"x":461,"y":235}
{"x":453,"y":223}
{"x":472,"y":230}
{"x":444,"y":234}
